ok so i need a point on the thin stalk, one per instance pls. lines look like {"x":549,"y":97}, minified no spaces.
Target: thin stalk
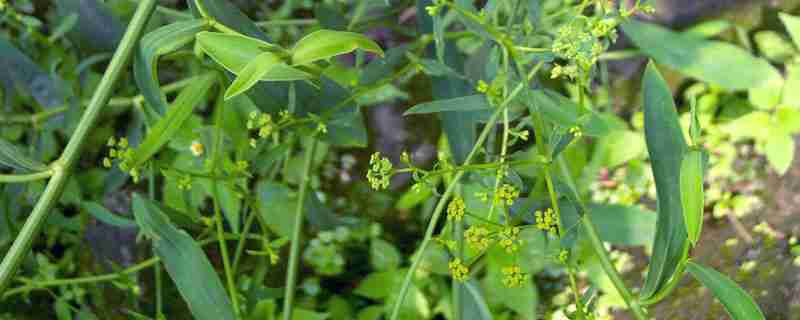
{"x":62,"y":166}
{"x":237,"y":255}
{"x":18,"y":178}
{"x":294,"y":251}
{"x":458,"y":234}
{"x":223,"y":247}
{"x":441,"y":203}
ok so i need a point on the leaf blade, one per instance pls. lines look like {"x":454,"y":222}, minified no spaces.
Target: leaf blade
{"x":14,"y":157}
{"x":323,"y":44}
{"x":185,"y":263}
{"x":475,"y":102}
{"x":692,"y":196}
{"x":666,"y":147}
{"x":738,"y":304}
{"x":252,"y":73}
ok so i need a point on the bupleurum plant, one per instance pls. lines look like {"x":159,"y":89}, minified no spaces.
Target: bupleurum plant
{"x":248,"y":181}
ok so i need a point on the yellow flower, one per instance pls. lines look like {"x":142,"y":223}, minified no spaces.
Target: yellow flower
{"x":506,"y":195}
{"x":379,"y":172}
{"x":478,"y":237}
{"x":455,"y":210}
{"x":546,"y":221}
{"x":197,"y":148}
{"x":458,"y":270}
{"x":513,"y":277}
{"x":509,"y":239}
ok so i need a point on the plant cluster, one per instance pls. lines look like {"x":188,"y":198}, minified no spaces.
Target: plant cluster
{"x":244,"y":189}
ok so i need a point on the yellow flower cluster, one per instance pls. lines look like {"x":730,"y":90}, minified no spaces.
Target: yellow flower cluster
{"x":546,"y":221}
{"x":380,"y":170}
{"x":513,"y":277}
{"x":455,"y":210}
{"x":506,"y":195}
{"x":478,"y":237}
{"x":576,"y":131}
{"x":509,"y":239}
{"x":458,"y":270}
{"x":121,"y":150}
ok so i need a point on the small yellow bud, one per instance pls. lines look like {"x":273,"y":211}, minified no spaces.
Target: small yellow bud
{"x":197,"y":148}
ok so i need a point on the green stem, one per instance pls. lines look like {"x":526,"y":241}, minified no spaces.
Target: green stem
{"x":600,"y":251}
{"x":61,"y":167}
{"x":458,"y":234}
{"x":17,"y":178}
{"x":294,"y":251}
{"x":441,"y":203}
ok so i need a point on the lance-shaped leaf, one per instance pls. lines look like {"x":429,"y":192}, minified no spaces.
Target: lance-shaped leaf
{"x":14,"y":157}
{"x":186,"y":263}
{"x":323,"y":44}
{"x":235,"y":52}
{"x":792,"y":25}
{"x":152,"y":46}
{"x":252,"y":72}
{"x":476,"y":102}
{"x":707,"y":60}
{"x":169,"y":125}
{"x":473,"y":306}
{"x":692,"y":193}
{"x":566,"y":113}
{"x":666,"y":147}
{"x":737,"y":302}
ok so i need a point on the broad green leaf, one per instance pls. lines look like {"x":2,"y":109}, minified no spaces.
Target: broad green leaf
{"x":277,"y":207}
{"x":666,"y":147}
{"x":252,"y":72}
{"x":792,"y":24}
{"x":323,"y":44}
{"x":155,"y":44}
{"x":692,"y":195}
{"x":737,"y":302}
{"x":97,"y":28}
{"x":619,"y":224}
{"x":377,"y":285}
{"x":780,"y":151}
{"x":473,"y":305}
{"x":231,"y":51}
{"x":619,"y":147}
{"x":383,"y":255}
{"x":101,"y":213}
{"x":476,"y":102}
{"x":186,"y":263}
{"x":791,"y":88}
{"x":168,"y":126}
{"x":707,"y":60}
{"x":14,"y":157}
{"x":22,"y":73}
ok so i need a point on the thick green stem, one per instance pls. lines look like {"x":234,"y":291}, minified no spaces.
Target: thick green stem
{"x":294,"y":251}
{"x":62,"y":166}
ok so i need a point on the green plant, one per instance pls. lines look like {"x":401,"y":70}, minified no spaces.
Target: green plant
{"x":534,"y":174}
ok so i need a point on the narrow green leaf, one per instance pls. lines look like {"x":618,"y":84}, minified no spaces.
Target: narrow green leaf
{"x":186,"y":263}
{"x":737,"y":302}
{"x":226,"y":13}
{"x":162,"y":41}
{"x":476,"y":102}
{"x":792,"y":24}
{"x":14,"y":157}
{"x":666,"y":147}
{"x":780,"y":151}
{"x":323,"y":44}
{"x":101,"y":213}
{"x":566,"y":113}
{"x":251,"y":73}
{"x":707,"y":60}
{"x":171,"y":123}
{"x":230,"y":50}
{"x":692,"y":193}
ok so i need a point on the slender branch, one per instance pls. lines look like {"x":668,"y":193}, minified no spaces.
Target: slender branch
{"x":62,"y":166}
{"x":294,"y":251}
{"x":18,"y":178}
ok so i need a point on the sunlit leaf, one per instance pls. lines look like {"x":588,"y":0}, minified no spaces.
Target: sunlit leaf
{"x":666,"y":147}
{"x":323,"y":44}
{"x":692,"y":196}
{"x":792,"y":24}
{"x":252,"y":72}
{"x":186,"y":263}
{"x":737,"y":302}
{"x":780,"y":151}
{"x":231,"y":51}
{"x":707,"y":60}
